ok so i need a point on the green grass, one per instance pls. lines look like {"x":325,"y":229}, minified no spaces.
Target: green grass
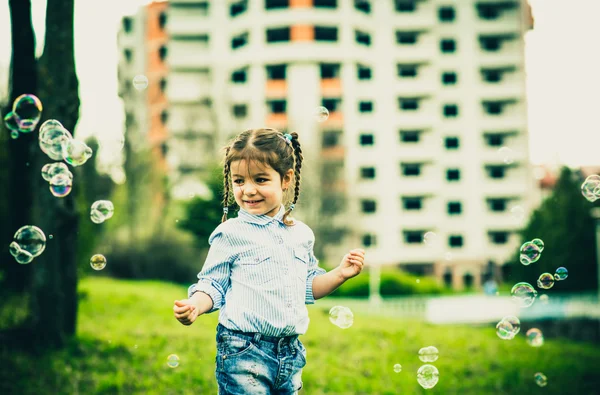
{"x":126,"y":330}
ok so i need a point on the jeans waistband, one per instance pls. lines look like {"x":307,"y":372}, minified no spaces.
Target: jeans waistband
{"x":259,"y":336}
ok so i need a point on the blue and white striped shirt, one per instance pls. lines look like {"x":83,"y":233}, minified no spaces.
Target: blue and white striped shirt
{"x":259,"y":273}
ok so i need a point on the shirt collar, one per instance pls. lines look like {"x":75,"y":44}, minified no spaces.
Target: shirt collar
{"x":261,"y":219}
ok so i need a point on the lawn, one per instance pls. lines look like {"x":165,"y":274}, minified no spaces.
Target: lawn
{"x":126,"y":330}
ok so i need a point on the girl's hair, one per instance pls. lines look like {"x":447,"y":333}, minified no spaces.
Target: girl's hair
{"x":268,"y":146}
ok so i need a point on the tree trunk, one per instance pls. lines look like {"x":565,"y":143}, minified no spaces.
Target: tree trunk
{"x":54,"y":298}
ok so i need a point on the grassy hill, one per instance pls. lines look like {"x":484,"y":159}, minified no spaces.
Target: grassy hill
{"x":126,"y":330}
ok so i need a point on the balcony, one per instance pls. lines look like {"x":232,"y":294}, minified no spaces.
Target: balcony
{"x":187,"y":21}
{"x":424,"y":16}
{"x":276,"y":89}
{"x":188,"y":54}
{"x":188,"y":87}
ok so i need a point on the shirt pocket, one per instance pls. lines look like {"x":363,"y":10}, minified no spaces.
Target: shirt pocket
{"x":301,"y":259}
{"x":257,"y":266}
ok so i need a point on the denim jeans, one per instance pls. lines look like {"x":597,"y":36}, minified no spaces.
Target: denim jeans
{"x":255,"y":364}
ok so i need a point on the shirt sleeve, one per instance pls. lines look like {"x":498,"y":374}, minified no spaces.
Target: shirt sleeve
{"x":214,"y":279}
{"x":313,"y":271}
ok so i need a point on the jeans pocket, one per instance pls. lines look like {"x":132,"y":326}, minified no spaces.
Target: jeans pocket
{"x":301,"y":351}
{"x":231,"y":346}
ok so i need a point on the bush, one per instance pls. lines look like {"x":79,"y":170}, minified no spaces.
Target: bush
{"x":392,"y":283}
{"x":160,"y":257}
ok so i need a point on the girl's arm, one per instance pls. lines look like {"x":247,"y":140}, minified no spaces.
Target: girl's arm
{"x":202,"y":301}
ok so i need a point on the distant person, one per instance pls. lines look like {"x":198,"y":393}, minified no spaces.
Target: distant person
{"x":261,"y":270}
{"x":490,"y":287}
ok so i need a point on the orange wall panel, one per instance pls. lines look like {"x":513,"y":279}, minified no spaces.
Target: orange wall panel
{"x":301,"y":3}
{"x":302,"y":33}
{"x":331,"y":87}
{"x":276,"y":88}
{"x":276,"y":120}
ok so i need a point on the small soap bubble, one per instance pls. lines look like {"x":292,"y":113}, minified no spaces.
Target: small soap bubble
{"x":76,"y":152}
{"x":140,"y":82}
{"x":540,"y":379}
{"x":11,"y":122}
{"x":98,"y":262}
{"x":539,"y":243}
{"x":101,"y":210}
{"x":51,"y":169}
{"x":508,"y":327}
{"x":14,"y":135}
{"x":61,"y":184}
{"x":544,"y":299}
{"x":535,"y":338}
{"x":589,"y":188}
{"x":430,"y":238}
{"x":561,"y":274}
{"x":50,"y":237}
{"x":321,"y":114}
{"x":545,"y":281}
{"x":397,"y":368}
{"x":529,"y":253}
{"x":341,"y":317}
{"x":53,"y":138}
{"x":524,"y":294}
{"x":428,"y":376}
{"x":173,"y":361}
{"x":428,"y":354}
{"x":21,"y":256}
{"x":31,"y":239}
{"x":507,"y":155}
{"x":28,"y":111}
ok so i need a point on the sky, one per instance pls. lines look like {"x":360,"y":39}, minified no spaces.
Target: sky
{"x":562,"y":67}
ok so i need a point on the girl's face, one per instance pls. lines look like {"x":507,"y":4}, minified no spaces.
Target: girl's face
{"x":257,"y":187}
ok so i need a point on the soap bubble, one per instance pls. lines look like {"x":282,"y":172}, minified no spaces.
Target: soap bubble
{"x":544,"y":299}
{"x":430,"y":238}
{"x":11,"y":122}
{"x":561,"y":274}
{"x":589,"y":188}
{"x":545,"y":281}
{"x":539,"y":243}
{"x":428,"y":354}
{"x":61,"y":184}
{"x":508,"y":327}
{"x":529,"y":253}
{"x":540,"y":379}
{"x":172,"y":361}
{"x":428,"y":376}
{"x":397,"y":368}
{"x":524,"y":294}
{"x":341,"y":317}
{"x":53,"y":138}
{"x":51,"y":169}
{"x":140,"y":82}
{"x":101,"y":211}
{"x":31,"y":239}
{"x":535,"y":338}
{"x":321,"y":114}
{"x":21,"y":256}
{"x":98,"y":262}
{"x":507,"y":154}
{"x":76,"y":152}
{"x":28,"y":111}
{"x":14,"y":134}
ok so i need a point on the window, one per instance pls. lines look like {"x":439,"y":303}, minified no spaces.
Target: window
{"x":239,"y":76}
{"x":455,"y":241}
{"x":368,"y":206}
{"x":127,"y":24}
{"x":128,"y":55}
{"x":407,"y":70}
{"x":364,"y":72}
{"x":332,"y":105}
{"x":412,"y":203}
{"x":488,"y":11}
{"x":493,"y":107}
{"x":277,"y":35}
{"x":164,"y":117}
{"x":162,"y":52}
{"x":240,"y":110}
{"x":363,"y":5}
{"x":366,"y":139}
{"x":497,"y":205}
{"x":406,"y":38}
{"x":365,"y":106}
{"x":330,"y":70}
{"x":238,"y":7}
{"x":274,"y":4}
{"x":490,"y":44}
{"x":448,"y":45}
{"x":446,"y":14}
{"x":162,"y":20}
{"x":496,"y":172}
{"x":491,"y":75}
{"x":495,"y":140}
{"x":413,"y":236}
{"x":449,"y":78}
{"x":454,"y":208}
{"x":331,"y":138}
{"x":498,"y":237}
{"x":450,"y":110}
{"x":453,"y":174}
{"x":362,"y":38}
{"x":369,"y":240}
{"x":408,"y":104}
{"x":367,"y":173}
{"x":410,"y":136}
{"x":276,"y":72}
{"x":405,"y":5}
{"x":325,"y":3}
{"x":451,"y":142}
{"x":326,"y":33}
{"x":277,"y":106}
{"x":162,"y":85}
{"x":411,"y":169}
{"x":239,"y":41}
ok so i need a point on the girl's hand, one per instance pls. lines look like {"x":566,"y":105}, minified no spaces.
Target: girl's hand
{"x":185,"y":311}
{"x":352,"y":263}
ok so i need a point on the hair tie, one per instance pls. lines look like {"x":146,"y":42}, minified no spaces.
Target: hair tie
{"x":288,"y":137}
{"x":292,"y":206}
{"x":225,"y":210}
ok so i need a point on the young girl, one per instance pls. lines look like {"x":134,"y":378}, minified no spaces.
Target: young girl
{"x":261,"y":270}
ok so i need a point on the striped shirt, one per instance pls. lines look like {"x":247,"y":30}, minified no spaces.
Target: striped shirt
{"x":259,"y":273}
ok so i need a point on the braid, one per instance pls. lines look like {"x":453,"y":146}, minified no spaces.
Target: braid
{"x":297,"y":152}
{"x":226,"y":170}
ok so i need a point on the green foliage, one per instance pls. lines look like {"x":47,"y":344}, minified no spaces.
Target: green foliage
{"x":563,"y":221}
{"x":126,"y":330}
{"x":392,"y":283}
